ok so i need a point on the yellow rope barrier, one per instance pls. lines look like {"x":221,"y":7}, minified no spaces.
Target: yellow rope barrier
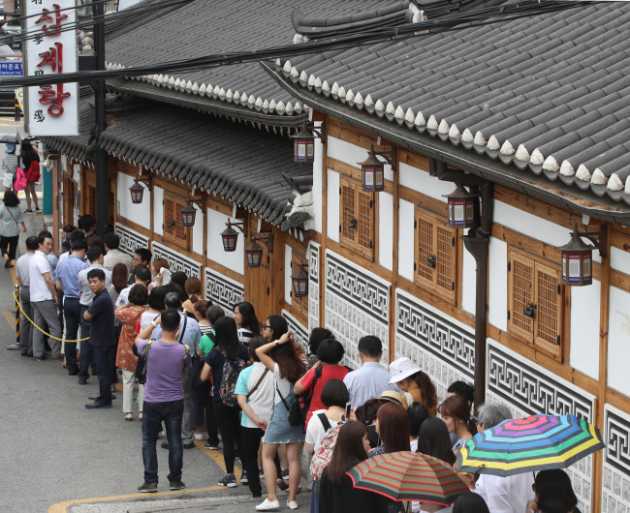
{"x":41,"y":330}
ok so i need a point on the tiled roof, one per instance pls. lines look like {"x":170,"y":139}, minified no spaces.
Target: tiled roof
{"x":76,"y":147}
{"x":205,"y":27}
{"x":547,"y":94}
{"x":242,"y":165}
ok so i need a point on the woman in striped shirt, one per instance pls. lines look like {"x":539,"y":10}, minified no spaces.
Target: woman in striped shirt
{"x":246,"y":322}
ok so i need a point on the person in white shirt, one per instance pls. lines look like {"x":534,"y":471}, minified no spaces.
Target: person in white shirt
{"x":371,"y":379}
{"x":23,"y":281}
{"x":141,"y":276}
{"x":95,"y":259}
{"x":502,"y":494}
{"x":114,"y":255}
{"x":44,"y":299}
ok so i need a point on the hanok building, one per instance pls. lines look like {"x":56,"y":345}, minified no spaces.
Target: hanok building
{"x":459,"y":182}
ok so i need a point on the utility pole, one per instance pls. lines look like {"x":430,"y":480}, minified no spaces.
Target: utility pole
{"x":100,"y":156}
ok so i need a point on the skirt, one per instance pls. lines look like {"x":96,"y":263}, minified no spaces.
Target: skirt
{"x":279,"y":431}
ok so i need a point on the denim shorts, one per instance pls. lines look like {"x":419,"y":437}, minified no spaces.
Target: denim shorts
{"x":279,"y":430}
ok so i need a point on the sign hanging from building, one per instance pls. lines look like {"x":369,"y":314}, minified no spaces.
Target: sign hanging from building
{"x":11,"y":69}
{"x":52,"y":109}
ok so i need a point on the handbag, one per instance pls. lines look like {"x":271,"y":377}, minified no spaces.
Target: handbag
{"x":296,"y":415}
{"x":140,"y":373}
{"x":20,"y":181}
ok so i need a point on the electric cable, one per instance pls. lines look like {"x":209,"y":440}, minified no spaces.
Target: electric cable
{"x":337,"y":43}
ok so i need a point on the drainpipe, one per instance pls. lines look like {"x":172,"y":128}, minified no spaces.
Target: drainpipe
{"x":477,"y":242}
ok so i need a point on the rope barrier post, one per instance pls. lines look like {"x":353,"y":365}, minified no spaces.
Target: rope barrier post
{"x":17,"y":315}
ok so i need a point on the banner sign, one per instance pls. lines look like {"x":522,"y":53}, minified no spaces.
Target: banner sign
{"x":52,"y":109}
{"x":11,"y":69}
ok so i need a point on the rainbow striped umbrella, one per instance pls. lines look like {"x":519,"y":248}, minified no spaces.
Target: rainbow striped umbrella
{"x":408,"y":476}
{"x":533,"y":443}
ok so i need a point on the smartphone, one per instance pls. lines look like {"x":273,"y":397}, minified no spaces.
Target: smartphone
{"x":348,"y":410}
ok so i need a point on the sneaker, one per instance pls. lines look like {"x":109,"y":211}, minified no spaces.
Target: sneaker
{"x":243,"y":478}
{"x":268,"y":505}
{"x":292,"y":505}
{"x":28,"y":211}
{"x":129,"y":416}
{"x":189,"y":445}
{"x":198,"y":436}
{"x":176,"y":485}
{"x":148,"y":488}
{"x":211,"y":446}
{"x":229,"y":481}
{"x":13,"y":347}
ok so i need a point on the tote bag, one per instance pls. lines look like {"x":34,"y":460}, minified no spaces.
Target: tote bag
{"x":20,"y":181}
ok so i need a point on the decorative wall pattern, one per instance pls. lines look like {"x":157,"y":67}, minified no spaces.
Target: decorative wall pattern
{"x":176,"y":261}
{"x":528,"y":389}
{"x":443,"y":348}
{"x":130,"y":240}
{"x":357,"y":304}
{"x":297,"y":328}
{"x":222,"y":290}
{"x":616,"y":478}
{"x":313,"y":285}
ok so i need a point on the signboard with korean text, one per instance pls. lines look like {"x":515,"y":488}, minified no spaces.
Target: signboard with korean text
{"x":11,"y":69}
{"x":52,"y":109}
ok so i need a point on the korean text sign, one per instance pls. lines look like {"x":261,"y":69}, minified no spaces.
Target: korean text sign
{"x":52,"y":109}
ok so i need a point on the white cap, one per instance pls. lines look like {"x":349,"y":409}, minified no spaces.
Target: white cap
{"x":402,"y":368}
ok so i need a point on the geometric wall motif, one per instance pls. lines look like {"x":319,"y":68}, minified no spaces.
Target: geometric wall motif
{"x":356,"y":304}
{"x":443,"y":348}
{"x":527,"y":389}
{"x":223,"y":291}
{"x":130,"y":240}
{"x":313,"y":285}
{"x":176,"y":261}
{"x":616,"y":478}
{"x":300,"y":332}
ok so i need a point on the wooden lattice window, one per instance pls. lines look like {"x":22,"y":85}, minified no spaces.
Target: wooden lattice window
{"x":435,"y":261}
{"x":535,"y":302}
{"x":357,"y":218}
{"x":173,"y":229}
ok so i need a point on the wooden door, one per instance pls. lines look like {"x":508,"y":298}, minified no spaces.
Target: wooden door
{"x":68,"y":201}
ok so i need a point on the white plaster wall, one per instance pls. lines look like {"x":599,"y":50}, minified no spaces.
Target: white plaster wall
{"x":619,"y":340}
{"x":233,"y":260}
{"x":333,"y":205}
{"x":318,"y":170}
{"x":469,"y":281}
{"x":423,"y":182}
{"x":158,"y":209}
{"x":533,"y":226}
{"x":346,"y":152}
{"x":288,"y":255}
{"x":497,"y":284}
{"x":197,"y":232}
{"x":406,"y":237}
{"x":138,"y":213}
{"x":385,"y":216}
{"x":585,"y":328}
{"x":620,"y":260}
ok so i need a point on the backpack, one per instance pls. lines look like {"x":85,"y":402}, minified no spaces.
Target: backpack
{"x":231,"y":370}
{"x":323,"y":454}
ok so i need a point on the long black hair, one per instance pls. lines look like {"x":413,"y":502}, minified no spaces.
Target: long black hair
{"x":227,"y":337}
{"x":10,"y":199}
{"x":348,"y":451}
{"x":434,"y":440}
{"x":248,"y":314}
{"x":554,"y":492}
{"x":470,"y":502}
{"x":27,"y":154}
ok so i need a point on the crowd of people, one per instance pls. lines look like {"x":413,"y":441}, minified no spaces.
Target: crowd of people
{"x":294,"y":415}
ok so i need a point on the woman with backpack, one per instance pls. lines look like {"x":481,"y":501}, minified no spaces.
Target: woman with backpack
{"x":282,"y":358}
{"x":225,"y":362}
{"x":337,"y":493}
{"x":30,"y":164}
{"x":254,"y":393}
{"x":11,"y":222}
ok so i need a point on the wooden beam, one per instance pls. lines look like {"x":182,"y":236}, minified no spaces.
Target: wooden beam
{"x":324,"y":239}
{"x":396,"y":234}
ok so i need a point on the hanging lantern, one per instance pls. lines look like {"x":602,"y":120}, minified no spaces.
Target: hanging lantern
{"x":461,"y":208}
{"x":303,"y":146}
{"x":188,"y":214}
{"x":577,"y":261}
{"x":137,"y":192}
{"x":254,"y":254}
{"x":300,"y":282}
{"x":372,"y":174}
{"x":230,"y":238}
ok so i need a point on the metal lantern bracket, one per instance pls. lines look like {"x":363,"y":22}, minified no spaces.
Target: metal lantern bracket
{"x":597,"y":239}
{"x":146,"y":179}
{"x":236,"y":224}
{"x":265,"y":237}
{"x":319,"y":131}
{"x":385,"y":152}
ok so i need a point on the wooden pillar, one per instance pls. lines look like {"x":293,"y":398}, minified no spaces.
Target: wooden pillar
{"x":324,"y":237}
{"x":604,"y":308}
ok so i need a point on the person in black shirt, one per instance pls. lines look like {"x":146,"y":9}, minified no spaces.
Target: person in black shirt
{"x":101,"y":315}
